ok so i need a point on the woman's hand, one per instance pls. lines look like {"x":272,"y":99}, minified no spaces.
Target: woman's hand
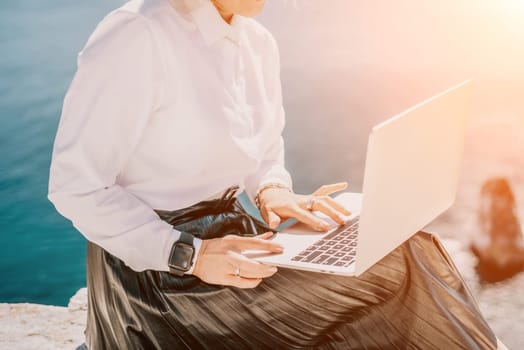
{"x":220,"y":260}
{"x":277,"y":204}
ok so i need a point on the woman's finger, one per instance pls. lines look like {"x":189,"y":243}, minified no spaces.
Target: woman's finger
{"x":240,"y":282}
{"x":270,"y":217}
{"x":273,"y":219}
{"x":337,"y":205}
{"x":249,"y":268}
{"x":238,"y":243}
{"x":309,"y":219}
{"x":265,"y":235}
{"x":323,"y":207}
{"x":324,"y":190}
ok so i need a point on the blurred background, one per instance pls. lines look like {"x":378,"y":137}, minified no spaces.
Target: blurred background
{"x":346,"y":65}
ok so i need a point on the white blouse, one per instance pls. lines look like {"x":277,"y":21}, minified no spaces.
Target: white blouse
{"x":168,"y":107}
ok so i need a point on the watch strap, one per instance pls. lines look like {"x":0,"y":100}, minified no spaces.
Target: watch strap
{"x":185,"y":238}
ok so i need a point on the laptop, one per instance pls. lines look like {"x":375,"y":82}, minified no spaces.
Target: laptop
{"x":411,"y":176}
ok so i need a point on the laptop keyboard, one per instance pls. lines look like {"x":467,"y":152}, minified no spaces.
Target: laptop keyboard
{"x":336,"y":249}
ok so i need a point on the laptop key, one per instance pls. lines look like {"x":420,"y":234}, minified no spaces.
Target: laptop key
{"x":311,"y":256}
{"x":334,"y":233}
{"x":321,"y":259}
{"x":330,"y":261}
{"x":340,"y":263}
{"x":297,"y":258}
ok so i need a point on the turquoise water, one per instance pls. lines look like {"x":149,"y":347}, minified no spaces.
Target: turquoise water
{"x":41,"y":255}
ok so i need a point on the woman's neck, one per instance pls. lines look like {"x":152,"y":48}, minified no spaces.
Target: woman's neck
{"x":226,"y":15}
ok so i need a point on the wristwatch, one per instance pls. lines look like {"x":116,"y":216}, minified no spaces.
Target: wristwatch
{"x":181,"y":256}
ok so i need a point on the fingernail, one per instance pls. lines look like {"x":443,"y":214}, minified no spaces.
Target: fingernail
{"x":273,"y":269}
{"x":279,"y":249}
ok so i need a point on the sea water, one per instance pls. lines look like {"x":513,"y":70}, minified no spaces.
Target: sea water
{"x":42,"y":257}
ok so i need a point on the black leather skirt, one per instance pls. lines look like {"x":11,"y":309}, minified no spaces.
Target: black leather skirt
{"x":414,"y":298}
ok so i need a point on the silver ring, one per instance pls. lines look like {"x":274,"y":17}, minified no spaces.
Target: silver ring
{"x":237,"y":272}
{"x":310,"y":203}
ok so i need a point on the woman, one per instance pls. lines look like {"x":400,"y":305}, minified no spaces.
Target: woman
{"x":174,"y":103}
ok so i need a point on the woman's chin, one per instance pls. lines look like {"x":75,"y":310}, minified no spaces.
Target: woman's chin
{"x":255,"y":9}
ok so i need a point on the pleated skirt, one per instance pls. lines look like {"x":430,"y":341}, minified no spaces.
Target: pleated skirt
{"x":414,"y":298}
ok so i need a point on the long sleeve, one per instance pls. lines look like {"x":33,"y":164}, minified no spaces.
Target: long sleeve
{"x":272,"y":168}
{"x":108,"y":106}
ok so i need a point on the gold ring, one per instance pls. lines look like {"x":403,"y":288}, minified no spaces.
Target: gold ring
{"x":310,"y":203}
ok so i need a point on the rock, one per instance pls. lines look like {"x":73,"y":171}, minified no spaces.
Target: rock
{"x":501,"y":303}
{"x":498,"y":244}
{"x":78,"y":302}
{"x":32,"y":326}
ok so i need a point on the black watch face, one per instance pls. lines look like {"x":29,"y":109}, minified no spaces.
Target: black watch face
{"x":181,"y":256}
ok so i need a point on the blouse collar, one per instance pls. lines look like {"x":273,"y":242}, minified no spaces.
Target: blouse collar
{"x":210,"y":24}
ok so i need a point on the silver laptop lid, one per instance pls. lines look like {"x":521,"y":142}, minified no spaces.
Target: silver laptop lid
{"x":412,"y":170}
